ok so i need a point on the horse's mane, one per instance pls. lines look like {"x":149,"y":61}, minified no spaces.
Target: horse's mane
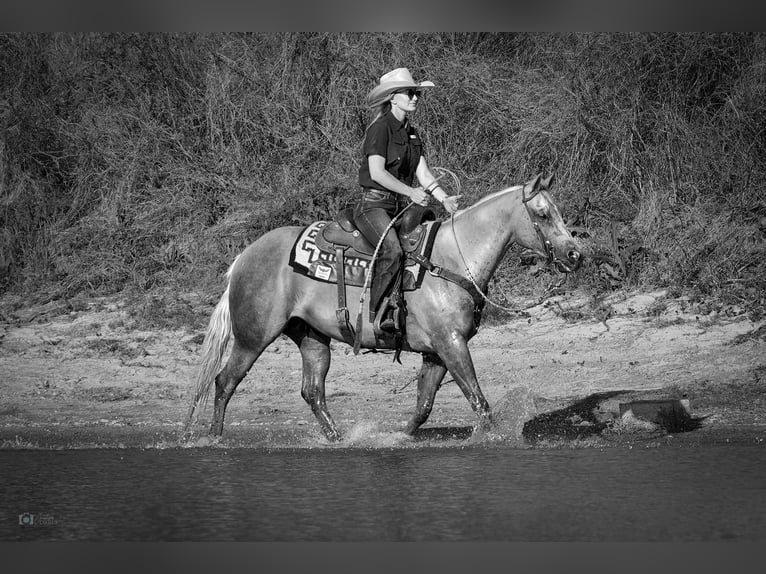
{"x":489,"y":197}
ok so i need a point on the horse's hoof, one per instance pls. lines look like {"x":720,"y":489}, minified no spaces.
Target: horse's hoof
{"x":402,"y":437}
{"x":481,"y":430}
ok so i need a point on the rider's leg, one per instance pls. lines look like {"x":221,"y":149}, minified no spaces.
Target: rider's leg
{"x":372,"y":223}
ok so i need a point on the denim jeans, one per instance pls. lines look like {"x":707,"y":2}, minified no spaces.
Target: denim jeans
{"x":372,"y":222}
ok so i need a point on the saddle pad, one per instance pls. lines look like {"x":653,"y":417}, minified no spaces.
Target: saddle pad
{"x":309,"y":260}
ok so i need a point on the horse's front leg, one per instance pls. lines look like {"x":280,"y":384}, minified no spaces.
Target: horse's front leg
{"x":453,"y":350}
{"x":431,"y":374}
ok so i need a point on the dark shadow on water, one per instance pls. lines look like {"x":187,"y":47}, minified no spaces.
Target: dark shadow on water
{"x":579,"y":420}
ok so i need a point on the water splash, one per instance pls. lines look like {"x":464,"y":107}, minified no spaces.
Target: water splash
{"x":368,"y":434}
{"x":509,"y":415}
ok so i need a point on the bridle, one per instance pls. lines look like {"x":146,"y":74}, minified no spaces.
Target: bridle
{"x":550,"y":253}
{"x":438,"y":271}
{"x":547,"y":248}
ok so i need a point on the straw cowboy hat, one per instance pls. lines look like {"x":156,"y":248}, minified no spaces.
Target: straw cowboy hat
{"x":391,"y":82}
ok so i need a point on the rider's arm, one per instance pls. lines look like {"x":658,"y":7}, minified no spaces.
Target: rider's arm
{"x":379,"y":174}
{"x":432,"y":187}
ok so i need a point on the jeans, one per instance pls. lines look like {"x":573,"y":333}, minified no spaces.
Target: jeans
{"x":372,"y":222}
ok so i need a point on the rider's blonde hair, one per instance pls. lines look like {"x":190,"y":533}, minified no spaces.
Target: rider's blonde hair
{"x":380,"y":111}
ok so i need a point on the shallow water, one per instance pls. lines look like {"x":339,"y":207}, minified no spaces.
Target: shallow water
{"x":474,"y":493}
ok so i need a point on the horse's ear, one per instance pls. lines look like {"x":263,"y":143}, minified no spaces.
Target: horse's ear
{"x":548,"y":182}
{"x":532,"y":185}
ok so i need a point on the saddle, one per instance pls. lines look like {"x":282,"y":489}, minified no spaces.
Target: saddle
{"x":342,"y":232}
{"x":342,"y":237}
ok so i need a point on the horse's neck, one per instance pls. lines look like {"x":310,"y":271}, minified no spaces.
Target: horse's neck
{"x":483,"y":233}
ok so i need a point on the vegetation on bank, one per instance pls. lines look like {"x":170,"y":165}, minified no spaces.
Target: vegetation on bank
{"x":148,"y":161}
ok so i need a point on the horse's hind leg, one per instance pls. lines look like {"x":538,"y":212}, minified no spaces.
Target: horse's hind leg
{"x":431,"y":374}
{"x":239,"y":363}
{"x":315,"y":351}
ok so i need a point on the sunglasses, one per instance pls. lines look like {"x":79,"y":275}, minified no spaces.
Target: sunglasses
{"x":411,"y":93}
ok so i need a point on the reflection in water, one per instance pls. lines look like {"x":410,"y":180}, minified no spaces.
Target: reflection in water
{"x":474,"y":493}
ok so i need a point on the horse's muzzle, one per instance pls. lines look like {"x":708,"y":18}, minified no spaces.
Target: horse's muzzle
{"x":572,"y":263}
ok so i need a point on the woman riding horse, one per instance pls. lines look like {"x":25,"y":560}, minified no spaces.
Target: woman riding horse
{"x":265,"y":298}
{"x":393,"y":158}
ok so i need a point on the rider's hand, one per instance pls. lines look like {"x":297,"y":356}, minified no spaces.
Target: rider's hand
{"x":419,"y":196}
{"x":450,"y":203}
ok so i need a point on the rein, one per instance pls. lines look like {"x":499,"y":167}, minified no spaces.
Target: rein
{"x":547,"y":247}
{"x":368,"y":275}
{"x":468,"y":284}
{"x":518,"y":310}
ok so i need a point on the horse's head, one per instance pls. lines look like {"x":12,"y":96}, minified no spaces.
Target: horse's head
{"x":547,"y":235}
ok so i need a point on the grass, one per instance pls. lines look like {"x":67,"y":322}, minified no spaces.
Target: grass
{"x":707,"y":394}
{"x":165,"y":310}
{"x":112,"y":346}
{"x":754,"y":335}
{"x":146,"y":162}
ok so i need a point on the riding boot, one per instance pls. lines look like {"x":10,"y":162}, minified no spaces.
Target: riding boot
{"x":386,"y":317}
{"x":378,"y":291}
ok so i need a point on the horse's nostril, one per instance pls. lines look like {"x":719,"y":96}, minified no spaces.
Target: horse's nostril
{"x":574,"y":256}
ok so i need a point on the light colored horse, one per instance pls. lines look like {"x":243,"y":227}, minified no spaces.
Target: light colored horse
{"x":265,"y":298}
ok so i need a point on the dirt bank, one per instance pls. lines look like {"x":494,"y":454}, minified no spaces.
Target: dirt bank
{"x":96,"y":372}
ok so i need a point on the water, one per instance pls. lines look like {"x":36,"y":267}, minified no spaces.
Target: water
{"x":434,"y":494}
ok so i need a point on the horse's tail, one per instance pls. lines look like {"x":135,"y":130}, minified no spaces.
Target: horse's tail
{"x":213,"y":348}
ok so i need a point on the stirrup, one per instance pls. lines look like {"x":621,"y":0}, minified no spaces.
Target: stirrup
{"x":387,"y":320}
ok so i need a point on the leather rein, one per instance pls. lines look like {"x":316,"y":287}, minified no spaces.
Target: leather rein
{"x":547,"y":249}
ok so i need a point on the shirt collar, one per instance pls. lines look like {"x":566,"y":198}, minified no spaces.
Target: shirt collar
{"x":394,"y":123}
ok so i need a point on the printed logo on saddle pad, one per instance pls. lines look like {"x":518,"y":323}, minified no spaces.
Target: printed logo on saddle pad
{"x":307,"y":258}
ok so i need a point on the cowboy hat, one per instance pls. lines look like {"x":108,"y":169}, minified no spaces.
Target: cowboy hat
{"x":391,"y":82}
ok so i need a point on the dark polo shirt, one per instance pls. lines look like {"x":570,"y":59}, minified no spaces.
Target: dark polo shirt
{"x":398,"y":142}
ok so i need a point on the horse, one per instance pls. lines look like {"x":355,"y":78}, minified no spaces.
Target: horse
{"x":264,"y":298}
